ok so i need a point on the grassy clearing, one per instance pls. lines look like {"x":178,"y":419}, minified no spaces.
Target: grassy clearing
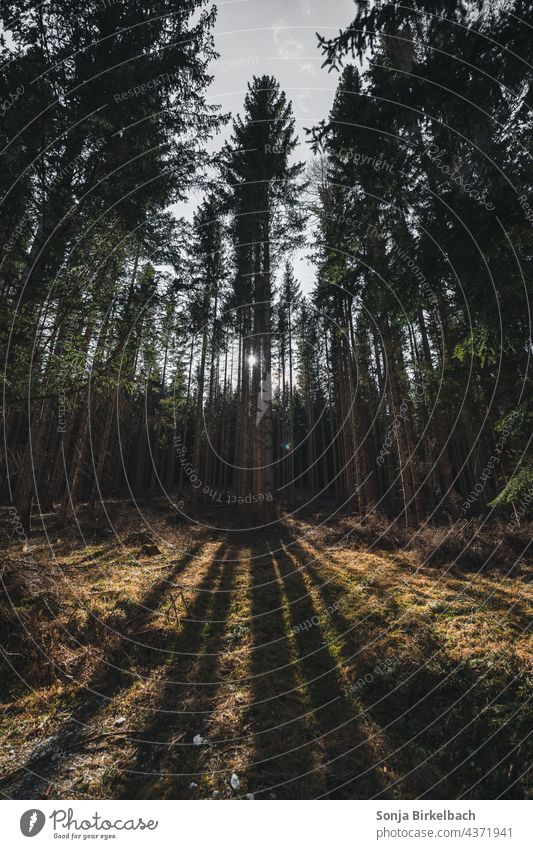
{"x":311,"y":665}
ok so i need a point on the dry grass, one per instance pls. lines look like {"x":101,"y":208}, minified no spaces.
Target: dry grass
{"x":313,"y":663}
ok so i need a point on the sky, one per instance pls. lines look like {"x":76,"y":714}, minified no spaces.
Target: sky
{"x":277,"y":37}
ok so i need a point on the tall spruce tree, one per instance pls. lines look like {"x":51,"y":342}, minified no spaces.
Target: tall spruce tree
{"x":264,"y":189}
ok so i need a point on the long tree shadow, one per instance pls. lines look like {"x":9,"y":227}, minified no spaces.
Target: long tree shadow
{"x":348,"y":759}
{"x":280,"y":718}
{"x":167,"y":760}
{"x":112,"y":675}
{"x":432,"y":708}
{"x":385,"y":686}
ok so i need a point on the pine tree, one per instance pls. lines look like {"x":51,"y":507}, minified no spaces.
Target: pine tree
{"x":263,"y":199}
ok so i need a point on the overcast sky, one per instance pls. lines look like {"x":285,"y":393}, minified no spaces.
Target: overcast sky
{"x":278,"y":37}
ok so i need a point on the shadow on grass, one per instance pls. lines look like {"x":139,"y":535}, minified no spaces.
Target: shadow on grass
{"x":445,"y":737}
{"x":167,"y":760}
{"x":305,"y":741}
{"x":279,"y":716}
{"x":112,"y":675}
{"x":349,"y":760}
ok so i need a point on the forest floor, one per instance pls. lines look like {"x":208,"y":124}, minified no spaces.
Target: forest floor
{"x":310,"y":664}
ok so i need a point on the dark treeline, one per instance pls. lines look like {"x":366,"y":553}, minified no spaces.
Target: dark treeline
{"x":148,"y":355}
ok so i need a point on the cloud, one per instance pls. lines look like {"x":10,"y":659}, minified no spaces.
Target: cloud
{"x":291,"y":48}
{"x":304,"y":7}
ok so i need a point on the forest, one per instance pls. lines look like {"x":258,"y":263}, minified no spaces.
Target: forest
{"x":263,"y":539}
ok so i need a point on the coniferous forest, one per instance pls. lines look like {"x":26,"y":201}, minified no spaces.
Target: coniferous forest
{"x":266,"y":479}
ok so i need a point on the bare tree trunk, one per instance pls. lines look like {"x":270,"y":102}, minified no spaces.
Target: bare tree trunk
{"x":400,"y":411}
{"x":186,"y":424}
{"x":196,"y":479}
